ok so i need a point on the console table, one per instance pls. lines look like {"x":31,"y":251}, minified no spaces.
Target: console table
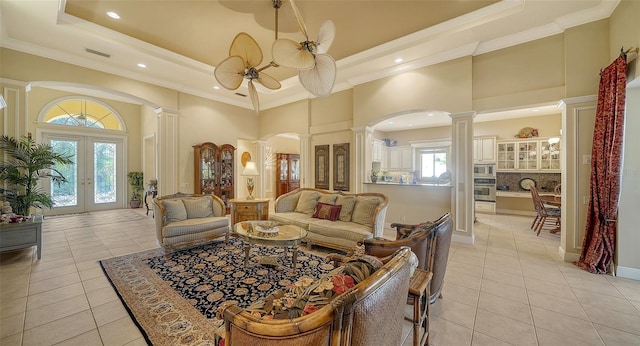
{"x":21,"y":235}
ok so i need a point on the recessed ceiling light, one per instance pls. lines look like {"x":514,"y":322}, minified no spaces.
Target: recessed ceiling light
{"x":390,"y":123}
{"x":410,"y":125}
{"x":113,"y":15}
{"x":216,"y":87}
{"x":429,"y":114}
{"x":535,"y":110}
{"x":398,"y":60}
{"x":142,"y":65}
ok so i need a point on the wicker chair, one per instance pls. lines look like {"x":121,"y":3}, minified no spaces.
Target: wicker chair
{"x":370,"y":313}
{"x":435,"y":256}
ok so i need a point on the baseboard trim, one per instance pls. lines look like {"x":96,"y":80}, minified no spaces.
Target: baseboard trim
{"x":628,"y":273}
{"x":515,"y":212}
{"x":568,"y":256}
{"x":463,"y":239}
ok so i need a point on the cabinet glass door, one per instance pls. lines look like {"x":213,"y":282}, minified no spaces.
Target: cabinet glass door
{"x":549,"y":155}
{"x":208,"y":171}
{"x":295,"y":169}
{"x":528,"y":155}
{"x":506,"y":156}
{"x":284,"y":169}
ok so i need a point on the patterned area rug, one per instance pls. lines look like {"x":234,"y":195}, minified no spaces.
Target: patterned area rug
{"x":175,"y":299}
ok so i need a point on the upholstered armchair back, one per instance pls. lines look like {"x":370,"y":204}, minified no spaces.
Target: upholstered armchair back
{"x":443,"y":228}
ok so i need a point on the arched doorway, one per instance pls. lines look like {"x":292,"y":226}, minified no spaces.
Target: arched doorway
{"x":88,"y":130}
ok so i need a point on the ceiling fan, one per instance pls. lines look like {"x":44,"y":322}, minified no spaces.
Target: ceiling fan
{"x":244,"y":57}
{"x":317,"y":69}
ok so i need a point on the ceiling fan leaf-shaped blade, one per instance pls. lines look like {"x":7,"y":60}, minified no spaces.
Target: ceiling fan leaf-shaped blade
{"x":320,"y":79}
{"x":268,"y":82}
{"x":230,"y":72}
{"x":253,"y":95}
{"x":298,"y":15}
{"x":290,"y":54}
{"x":247,"y":48}
{"x":325,"y":36}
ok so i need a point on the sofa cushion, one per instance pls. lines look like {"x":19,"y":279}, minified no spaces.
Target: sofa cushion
{"x":189,"y":226}
{"x":175,"y":210}
{"x":328,"y":198}
{"x":307,"y":202}
{"x":364,"y":210}
{"x":325,"y":211}
{"x":198,"y":207}
{"x":307,"y":295}
{"x":351,"y":231}
{"x":292,"y":218}
{"x":347,"y":203}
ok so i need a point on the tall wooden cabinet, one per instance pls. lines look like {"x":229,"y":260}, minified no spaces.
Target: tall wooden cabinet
{"x":287,"y":173}
{"x":214,"y":170}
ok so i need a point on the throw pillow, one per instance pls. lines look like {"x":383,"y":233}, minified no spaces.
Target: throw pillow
{"x":364,"y":210}
{"x":347,"y":203}
{"x":175,"y":209}
{"x":328,"y":199}
{"x":198,"y":207}
{"x":325,"y":211}
{"x":307,"y":202}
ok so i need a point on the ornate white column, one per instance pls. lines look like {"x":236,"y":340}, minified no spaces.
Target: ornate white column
{"x":306,"y":175}
{"x":167,"y":151}
{"x":462,"y":203}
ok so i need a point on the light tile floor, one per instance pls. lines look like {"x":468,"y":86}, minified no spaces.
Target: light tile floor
{"x":509,"y":288}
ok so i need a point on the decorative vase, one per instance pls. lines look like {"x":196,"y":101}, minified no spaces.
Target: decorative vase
{"x":374,"y":178}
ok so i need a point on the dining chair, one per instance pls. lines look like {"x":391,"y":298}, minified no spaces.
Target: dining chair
{"x":544,"y":213}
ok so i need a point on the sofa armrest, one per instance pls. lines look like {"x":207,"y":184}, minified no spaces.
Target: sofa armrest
{"x":160,"y":214}
{"x":378,"y":225}
{"x":287,"y":202}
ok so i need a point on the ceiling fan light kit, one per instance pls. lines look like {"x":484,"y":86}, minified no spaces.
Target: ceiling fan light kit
{"x":317,"y":70}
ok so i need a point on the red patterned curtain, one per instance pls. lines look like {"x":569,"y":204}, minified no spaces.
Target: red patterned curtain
{"x":606,"y":161}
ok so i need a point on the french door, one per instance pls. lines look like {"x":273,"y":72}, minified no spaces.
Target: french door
{"x":95,"y":179}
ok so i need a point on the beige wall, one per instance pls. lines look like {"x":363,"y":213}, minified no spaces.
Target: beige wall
{"x":624,"y":31}
{"x":445,"y":87}
{"x":290,"y":118}
{"x":586,"y":48}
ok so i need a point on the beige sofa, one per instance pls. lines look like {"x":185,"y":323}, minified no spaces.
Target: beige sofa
{"x":188,"y":219}
{"x":361,"y":216}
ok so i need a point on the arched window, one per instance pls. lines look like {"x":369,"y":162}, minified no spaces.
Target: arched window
{"x":82,"y":112}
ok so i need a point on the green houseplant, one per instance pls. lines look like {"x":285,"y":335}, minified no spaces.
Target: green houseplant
{"x":24,"y":163}
{"x":136,"y":181}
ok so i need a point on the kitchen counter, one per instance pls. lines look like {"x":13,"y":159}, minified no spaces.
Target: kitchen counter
{"x":519,"y":194}
{"x":407,"y":184}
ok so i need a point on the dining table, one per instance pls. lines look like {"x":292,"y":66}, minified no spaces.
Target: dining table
{"x":553,"y":200}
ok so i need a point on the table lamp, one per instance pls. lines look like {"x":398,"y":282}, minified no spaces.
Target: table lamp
{"x":250,"y":171}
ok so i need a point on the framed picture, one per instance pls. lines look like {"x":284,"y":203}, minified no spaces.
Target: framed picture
{"x":341,"y":167}
{"x":322,"y":167}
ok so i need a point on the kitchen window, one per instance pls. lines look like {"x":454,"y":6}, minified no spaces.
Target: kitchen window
{"x":432,"y":163}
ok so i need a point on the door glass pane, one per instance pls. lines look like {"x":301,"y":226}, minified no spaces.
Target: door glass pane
{"x":66,"y":194}
{"x":104,"y":172}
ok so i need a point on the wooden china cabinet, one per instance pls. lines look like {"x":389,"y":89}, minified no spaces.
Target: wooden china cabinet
{"x":287,"y":173}
{"x":214,"y":170}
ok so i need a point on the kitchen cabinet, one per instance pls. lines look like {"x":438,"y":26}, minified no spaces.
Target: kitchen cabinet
{"x":484,"y":149}
{"x":214,"y":170}
{"x":527,"y":155}
{"x":378,"y":151}
{"x":287,"y":173}
{"x":400,"y":158}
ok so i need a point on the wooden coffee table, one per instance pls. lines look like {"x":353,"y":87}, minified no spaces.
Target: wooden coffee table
{"x":289,"y":236}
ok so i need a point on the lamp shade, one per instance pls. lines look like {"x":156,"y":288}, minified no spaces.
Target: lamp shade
{"x":250,"y":169}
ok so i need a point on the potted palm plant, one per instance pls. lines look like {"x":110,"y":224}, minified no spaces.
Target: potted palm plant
{"x":25,"y":162}
{"x":136,"y":180}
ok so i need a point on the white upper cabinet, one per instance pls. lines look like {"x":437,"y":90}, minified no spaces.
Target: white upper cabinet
{"x":484,"y":149}
{"x":378,"y":152}
{"x":400,"y":158}
{"x":527,"y":155}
